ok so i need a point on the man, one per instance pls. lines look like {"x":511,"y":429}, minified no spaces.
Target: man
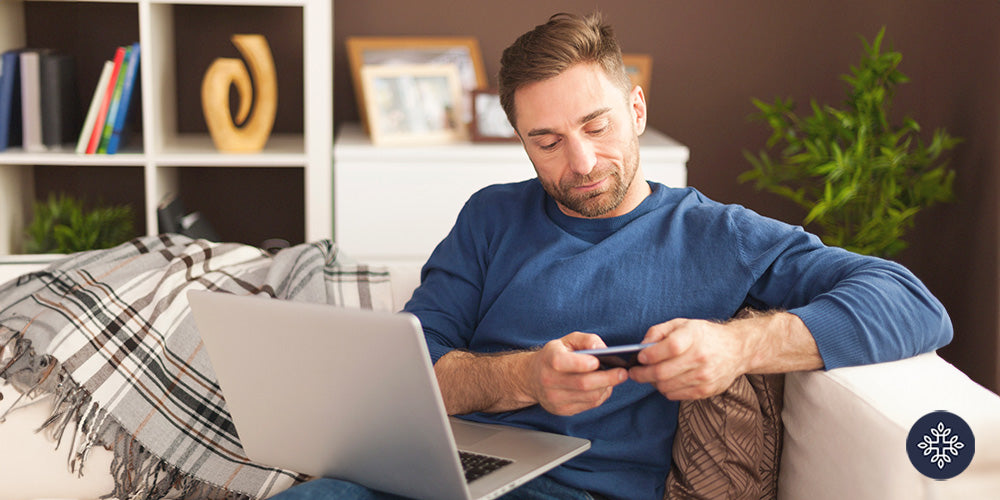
{"x":590,"y":254}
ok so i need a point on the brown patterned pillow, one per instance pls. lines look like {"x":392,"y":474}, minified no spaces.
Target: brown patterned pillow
{"x":729,"y":446}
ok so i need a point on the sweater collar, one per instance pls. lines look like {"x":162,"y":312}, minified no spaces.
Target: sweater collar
{"x":595,"y":230}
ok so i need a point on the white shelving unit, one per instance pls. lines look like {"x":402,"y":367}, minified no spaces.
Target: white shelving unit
{"x":428,"y":185}
{"x":164,"y":151}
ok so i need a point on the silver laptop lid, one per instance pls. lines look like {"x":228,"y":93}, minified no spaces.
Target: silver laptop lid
{"x":329,"y":391}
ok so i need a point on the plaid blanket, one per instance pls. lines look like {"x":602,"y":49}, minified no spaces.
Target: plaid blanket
{"x":108,"y":334}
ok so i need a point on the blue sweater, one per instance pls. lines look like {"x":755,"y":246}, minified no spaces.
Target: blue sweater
{"x":515,"y":272}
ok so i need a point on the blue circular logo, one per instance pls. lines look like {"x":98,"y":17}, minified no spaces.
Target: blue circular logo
{"x":940,"y":445}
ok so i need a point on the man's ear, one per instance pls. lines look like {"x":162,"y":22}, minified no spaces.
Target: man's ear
{"x":637,"y":105}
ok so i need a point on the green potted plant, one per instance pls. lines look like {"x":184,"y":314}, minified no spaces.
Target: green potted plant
{"x":860,"y":179}
{"x":61,"y":225}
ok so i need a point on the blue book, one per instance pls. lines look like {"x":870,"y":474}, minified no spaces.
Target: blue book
{"x":10,"y":99}
{"x":128,"y":85}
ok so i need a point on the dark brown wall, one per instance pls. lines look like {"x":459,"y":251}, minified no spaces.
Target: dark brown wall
{"x":711,"y":58}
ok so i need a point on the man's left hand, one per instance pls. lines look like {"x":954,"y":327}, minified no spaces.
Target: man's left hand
{"x":692,"y":359}
{"x":695,"y":359}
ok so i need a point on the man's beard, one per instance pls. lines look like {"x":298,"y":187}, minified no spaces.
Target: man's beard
{"x":600,"y":203}
{"x":593,"y":204}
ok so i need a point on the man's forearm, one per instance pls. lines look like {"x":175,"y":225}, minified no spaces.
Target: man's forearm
{"x":482,"y":382}
{"x":778,"y":342}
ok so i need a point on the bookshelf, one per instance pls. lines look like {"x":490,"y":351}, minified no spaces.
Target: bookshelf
{"x":284,"y":191}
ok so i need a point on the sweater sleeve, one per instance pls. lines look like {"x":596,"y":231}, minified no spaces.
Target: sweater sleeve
{"x":859,"y":309}
{"x":447,"y":300}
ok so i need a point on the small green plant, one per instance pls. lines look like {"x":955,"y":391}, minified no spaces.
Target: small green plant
{"x":61,"y":225}
{"x":860,"y":179}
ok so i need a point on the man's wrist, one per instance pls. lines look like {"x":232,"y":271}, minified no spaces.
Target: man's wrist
{"x":519,"y":370}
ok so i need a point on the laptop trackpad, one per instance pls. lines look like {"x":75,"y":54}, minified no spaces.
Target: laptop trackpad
{"x":469,"y":433}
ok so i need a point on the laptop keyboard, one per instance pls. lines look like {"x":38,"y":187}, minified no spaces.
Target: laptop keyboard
{"x":477,"y":466}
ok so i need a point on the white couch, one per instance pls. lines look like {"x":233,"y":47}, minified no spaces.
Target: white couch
{"x":845,"y":431}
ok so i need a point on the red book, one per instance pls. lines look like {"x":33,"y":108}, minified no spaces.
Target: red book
{"x":102,"y":114}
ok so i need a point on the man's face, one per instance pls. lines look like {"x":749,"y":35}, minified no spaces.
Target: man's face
{"x":582,"y":135}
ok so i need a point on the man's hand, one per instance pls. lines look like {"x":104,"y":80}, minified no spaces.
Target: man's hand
{"x":695,"y":359}
{"x":565,"y":383}
{"x":692,"y":359}
{"x":562,"y":382}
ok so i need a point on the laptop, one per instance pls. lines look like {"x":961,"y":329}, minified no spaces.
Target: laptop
{"x":351,"y":394}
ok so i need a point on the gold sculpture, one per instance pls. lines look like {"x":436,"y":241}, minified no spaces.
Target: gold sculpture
{"x":247,"y":134}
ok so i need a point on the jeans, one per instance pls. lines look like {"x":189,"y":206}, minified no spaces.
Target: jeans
{"x":540,"y":488}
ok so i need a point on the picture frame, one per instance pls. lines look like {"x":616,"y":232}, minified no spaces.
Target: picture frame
{"x":640,"y":69}
{"x":418,"y":104}
{"x":489,"y":122}
{"x":463,"y":52}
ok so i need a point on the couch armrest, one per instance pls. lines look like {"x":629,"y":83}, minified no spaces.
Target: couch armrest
{"x":846,"y":429}
{"x":32,"y":468}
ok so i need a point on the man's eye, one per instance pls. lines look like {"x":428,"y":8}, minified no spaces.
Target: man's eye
{"x":549,"y":147}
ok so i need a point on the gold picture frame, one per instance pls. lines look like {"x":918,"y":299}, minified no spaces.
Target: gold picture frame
{"x":416,"y":104}
{"x":640,"y":69}
{"x":463,"y":52}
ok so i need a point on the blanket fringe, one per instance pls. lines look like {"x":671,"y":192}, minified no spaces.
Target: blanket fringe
{"x":140,"y":475}
{"x":137,"y":473}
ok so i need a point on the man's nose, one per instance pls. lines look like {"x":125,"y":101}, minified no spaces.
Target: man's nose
{"x":582,"y":158}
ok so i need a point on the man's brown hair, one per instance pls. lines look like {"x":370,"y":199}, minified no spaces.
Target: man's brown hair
{"x":551,"y":48}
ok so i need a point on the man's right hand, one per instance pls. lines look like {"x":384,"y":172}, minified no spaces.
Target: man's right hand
{"x":565,"y":383}
{"x":562,"y":382}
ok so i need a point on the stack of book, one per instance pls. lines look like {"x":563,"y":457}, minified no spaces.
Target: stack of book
{"x":105,"y":121}
{"x":40,"y":108}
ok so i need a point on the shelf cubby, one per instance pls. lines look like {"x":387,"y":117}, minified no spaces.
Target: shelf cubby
{"x":285,"y":191}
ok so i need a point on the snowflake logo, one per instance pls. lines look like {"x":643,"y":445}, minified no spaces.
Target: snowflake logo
{"x":940,"y":445}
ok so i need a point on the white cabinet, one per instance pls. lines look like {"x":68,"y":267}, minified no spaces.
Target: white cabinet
{"x":165,"y":158}
{"x":394,"y":204}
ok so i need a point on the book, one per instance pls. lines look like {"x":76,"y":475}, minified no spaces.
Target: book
{"x":116,"y":97}
{"x":31,"y":102}
{"x":59,"y":99}
{"x":126,"y":99}
{"x":10,"y":99}
{"x":102,"y":111}
{"x":95,"y":103}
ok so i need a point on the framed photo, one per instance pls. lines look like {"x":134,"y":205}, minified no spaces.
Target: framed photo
{"x":640,"y":69}
{"x":462,"y":52}
{"x":413,"y":104}
{"x":489,"y":122}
